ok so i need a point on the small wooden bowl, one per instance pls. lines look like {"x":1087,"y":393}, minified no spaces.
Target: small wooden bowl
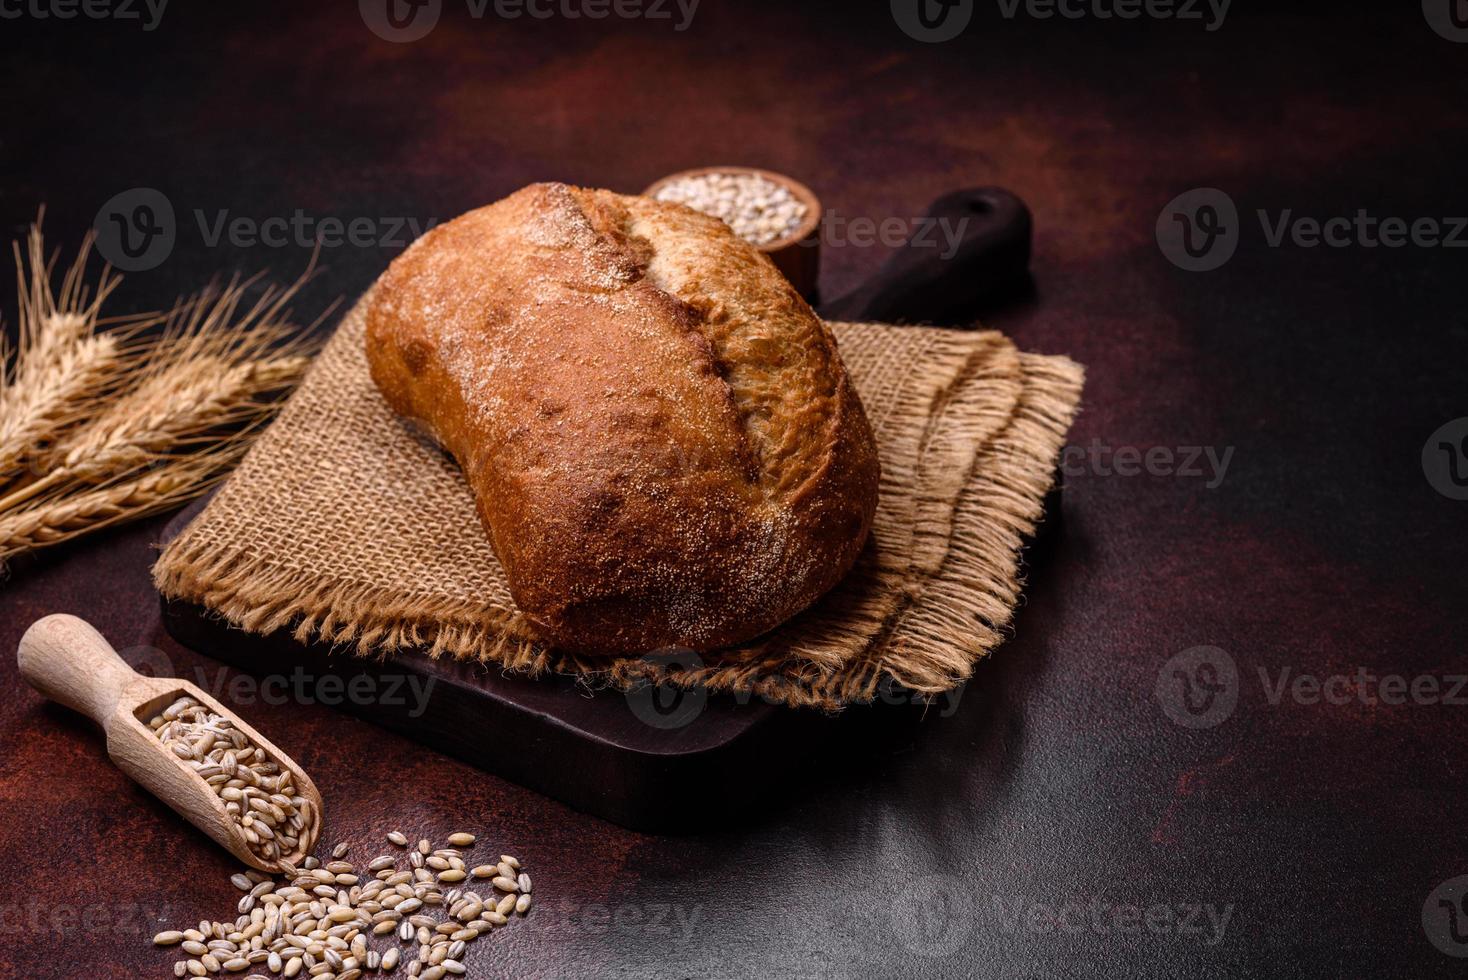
{"x":798,"y":254}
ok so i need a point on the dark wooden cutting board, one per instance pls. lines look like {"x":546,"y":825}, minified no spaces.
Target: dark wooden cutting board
{"x":654,"y":760}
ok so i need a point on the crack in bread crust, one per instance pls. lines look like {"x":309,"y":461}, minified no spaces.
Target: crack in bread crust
{"x":661,"y":439}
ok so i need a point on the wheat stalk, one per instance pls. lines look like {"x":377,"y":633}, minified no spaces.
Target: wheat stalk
{"x":212,"y":371}
{"x":62,"y":368}
{"x":121,"y":423}
{"x":169,"y":413}
{"x":59,"y":517}
{"x":52,"y":402}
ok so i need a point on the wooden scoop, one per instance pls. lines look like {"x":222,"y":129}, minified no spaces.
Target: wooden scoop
{"x":69,"y":662}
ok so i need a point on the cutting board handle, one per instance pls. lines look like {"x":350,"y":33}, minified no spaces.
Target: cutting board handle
{"x":971,"y":246}
{"x":68,"y":661}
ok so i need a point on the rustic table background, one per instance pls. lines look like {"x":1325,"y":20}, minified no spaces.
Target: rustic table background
{"x":1060,"y":823}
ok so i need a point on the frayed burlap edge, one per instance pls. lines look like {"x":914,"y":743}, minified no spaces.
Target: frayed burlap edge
{"x":936,"y":641}
{"x":947,"y":621}
{"x":943,"y":422}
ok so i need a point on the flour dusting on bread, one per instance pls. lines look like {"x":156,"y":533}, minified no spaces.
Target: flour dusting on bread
{"x":661,"y":439}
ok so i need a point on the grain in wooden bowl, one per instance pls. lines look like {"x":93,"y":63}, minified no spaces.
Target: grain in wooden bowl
{"x":777,"y":214}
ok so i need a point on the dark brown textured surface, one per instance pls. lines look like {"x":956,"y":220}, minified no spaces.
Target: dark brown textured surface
{"x":1059,"y":779}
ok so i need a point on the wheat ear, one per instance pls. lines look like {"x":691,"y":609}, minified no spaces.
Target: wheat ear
{"x":63,"y":369}
{"x":206,"y":382}
{"x":119,"y":424}
{"x":60,"y":517}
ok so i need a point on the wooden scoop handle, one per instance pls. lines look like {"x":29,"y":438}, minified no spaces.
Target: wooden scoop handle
{"x":69,"y":662}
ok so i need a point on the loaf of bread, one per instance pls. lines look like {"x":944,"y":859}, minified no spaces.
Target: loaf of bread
{"x":663,"y":444}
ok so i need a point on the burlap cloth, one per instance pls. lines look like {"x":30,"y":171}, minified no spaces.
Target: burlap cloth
{"x":345,"y":525}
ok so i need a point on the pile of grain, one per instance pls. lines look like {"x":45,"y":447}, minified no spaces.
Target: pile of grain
{"x":322,"y":920}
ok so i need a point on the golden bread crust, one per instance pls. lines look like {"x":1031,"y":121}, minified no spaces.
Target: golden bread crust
{"x":659,"y":433}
